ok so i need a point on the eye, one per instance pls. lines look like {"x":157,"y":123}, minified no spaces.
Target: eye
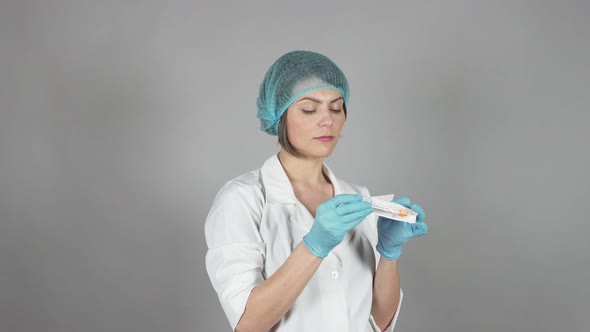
{"x":336,"y":110}
{"x":308,"y":111}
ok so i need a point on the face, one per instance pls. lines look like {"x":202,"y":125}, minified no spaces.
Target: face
{"x":315,"y":121}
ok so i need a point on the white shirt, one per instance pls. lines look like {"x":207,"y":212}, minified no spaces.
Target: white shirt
{"x":255,"y":223}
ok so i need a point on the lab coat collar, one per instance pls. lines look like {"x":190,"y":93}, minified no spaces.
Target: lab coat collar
{"x":277,"y":185}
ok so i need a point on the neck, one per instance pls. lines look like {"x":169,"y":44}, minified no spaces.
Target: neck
{"x":303,"y":170}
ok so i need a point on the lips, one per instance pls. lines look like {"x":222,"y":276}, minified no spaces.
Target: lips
{"x":325,"y":138}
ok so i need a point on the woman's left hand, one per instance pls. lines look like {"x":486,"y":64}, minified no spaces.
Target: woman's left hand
{"x":393,"y":233}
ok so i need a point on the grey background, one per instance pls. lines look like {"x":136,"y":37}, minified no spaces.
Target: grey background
{"x":120,"y":120}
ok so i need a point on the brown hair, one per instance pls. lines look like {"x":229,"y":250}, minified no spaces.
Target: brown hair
{"x":284,"y":137}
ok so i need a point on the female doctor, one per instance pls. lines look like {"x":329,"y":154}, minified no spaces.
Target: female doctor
{"x":291,"y":247}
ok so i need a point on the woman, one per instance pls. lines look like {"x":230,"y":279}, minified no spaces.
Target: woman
{"x":291,"y":246}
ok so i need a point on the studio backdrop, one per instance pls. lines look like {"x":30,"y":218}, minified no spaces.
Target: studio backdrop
{"x":120,"y":121}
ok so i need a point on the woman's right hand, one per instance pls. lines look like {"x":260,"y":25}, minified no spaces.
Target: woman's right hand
{"x":334,"y":218}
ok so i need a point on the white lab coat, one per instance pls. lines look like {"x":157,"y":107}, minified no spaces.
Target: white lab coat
{"x":253,"y":226}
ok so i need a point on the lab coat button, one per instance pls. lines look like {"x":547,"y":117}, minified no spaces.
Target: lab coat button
{"x":335,"y":275}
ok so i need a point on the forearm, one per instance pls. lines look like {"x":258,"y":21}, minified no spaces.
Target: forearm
{"x":269,"y":301}
{"x":386,"y":292}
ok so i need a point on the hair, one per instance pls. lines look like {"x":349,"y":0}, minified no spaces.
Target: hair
{"x":284,"y":137}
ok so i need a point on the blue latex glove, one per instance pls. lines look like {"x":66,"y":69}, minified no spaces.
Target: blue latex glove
{"x":393,"y":233}
{"x":333,"y":219}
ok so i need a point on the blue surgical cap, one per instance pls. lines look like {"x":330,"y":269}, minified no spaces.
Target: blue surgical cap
{"x":291,"y":76}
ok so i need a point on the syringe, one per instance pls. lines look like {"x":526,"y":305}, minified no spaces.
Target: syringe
{"x":382,"y":206}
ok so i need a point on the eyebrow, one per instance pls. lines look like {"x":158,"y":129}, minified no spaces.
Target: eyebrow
{"x":319,"y":101}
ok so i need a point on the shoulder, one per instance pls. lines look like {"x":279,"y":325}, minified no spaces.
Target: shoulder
{"x":236,"y":211}
{"x":244,"y":187}
{"x":352,"y":188}
{"x":243,"y":193}
{"x":344,"y":186}
{"x":359,"y":189}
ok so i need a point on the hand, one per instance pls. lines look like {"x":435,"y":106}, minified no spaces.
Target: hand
{"x":393,"y":233}
{"x":334,"y":218}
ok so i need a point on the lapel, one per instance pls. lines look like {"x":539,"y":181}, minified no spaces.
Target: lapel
{"x":277,"y":184}
{"x":278,"y":190}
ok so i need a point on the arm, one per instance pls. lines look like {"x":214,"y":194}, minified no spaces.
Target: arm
{"x":235,"y":259}
{"x":386,"y":292}
{"x":386,"y":289}
{"x":269,"y":301}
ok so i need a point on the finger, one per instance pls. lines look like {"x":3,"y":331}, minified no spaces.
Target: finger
{"x":403,"y":201}
{"x":352,"y":207}
{"x":419,"y":228}
{"x":418,"y":209}
{"x":356,"y":217}
{"x":343,"y":199}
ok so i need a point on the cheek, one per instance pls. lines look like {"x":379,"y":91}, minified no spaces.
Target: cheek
{"x":299,"y":126}
{"x":295,"y":128}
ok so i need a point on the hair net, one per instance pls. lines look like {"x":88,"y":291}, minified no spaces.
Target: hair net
{"x":291,"y":76}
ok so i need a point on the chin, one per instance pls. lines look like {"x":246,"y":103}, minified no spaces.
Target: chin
{"x":318,"y":153}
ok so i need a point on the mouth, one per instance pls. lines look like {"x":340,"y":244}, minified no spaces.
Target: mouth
{"x":325,"y":138}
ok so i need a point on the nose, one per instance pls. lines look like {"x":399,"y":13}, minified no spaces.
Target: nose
{"x":326,"y":120}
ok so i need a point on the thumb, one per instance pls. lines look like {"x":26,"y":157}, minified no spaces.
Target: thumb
{"x":337,"y":200}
